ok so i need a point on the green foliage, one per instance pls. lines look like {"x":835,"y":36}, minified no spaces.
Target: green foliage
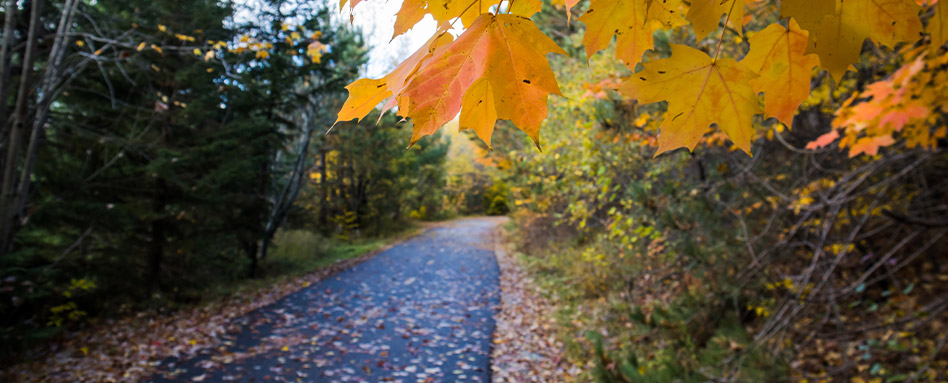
{"x":363,"y":185}
{"x":419,"y":214}
{"x":495,"y":198}
{"x":348,"y":224}
{"x":705,"y":266}
{"x":162,"y":170}
{"x":297,"y":251}
{"x":498,"y":205}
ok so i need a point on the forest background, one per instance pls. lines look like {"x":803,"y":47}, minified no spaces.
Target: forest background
{"x":169,"y":153}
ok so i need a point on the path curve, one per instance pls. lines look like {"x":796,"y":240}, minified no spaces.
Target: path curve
{"x":421,"y":311}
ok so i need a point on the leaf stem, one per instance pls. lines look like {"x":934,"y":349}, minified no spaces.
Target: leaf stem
{"x":724,"y":29}
{"x":478,"y":2}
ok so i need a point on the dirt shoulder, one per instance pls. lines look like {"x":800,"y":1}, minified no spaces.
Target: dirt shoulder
{"x":525,"y":345}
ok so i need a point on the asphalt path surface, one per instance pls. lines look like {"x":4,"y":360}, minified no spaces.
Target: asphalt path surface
{"x":421,"y":311}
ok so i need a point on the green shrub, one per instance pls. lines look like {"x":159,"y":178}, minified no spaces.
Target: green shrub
{"x":420,"y":214}
{"x":498,"y":206}
{"x":295,"y":250}
{"x":495,"y":199}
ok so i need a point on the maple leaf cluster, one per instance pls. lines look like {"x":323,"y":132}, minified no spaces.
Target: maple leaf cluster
{"x":907,"y":104}
{"x":497,"y":68}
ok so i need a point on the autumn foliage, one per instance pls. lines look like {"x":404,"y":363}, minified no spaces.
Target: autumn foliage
{"x":497,"y":69}
{"x":815,"y":260}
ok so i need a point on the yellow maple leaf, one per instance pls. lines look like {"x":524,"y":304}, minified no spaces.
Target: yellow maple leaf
{"x":705,"y":15}
{"x":665,"y":13}
{"x":479,"y":111}
{"x":700,"y":91}
{"x":627,"y":19}
{"x":938,"y":25}
{"x":777,"y":54}
{"x":315,"y":51}
{"x":365,"y":94}
{"x":444,"y":11}
{"x":411,"y":12}
{"x":839,"y":28}
{"x":807,"y":12}
{"x":525,"y":8}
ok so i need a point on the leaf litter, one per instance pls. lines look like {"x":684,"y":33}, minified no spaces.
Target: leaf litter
{"x":526,"y":348}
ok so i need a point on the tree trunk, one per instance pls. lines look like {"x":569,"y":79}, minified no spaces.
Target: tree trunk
{"x":9,"y":22}
{"x":47,"y":94}
{"x":324,"y":189}
{"x":251,"y":249}
{"x":257,"y":211}
{"x":158,"y":236}
{"x":282,"y":205}
{"x":10,"y":211}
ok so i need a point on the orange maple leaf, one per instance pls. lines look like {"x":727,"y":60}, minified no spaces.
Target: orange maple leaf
{"x":823,"y":140}
{"x":870,"y":145}
{"x":898,"y":117}
{"x":510,"y":52}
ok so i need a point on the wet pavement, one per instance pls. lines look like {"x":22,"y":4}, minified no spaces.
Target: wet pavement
{"x":421,"y":311}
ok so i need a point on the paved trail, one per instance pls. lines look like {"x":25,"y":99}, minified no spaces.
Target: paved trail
{"x":421,"y":311}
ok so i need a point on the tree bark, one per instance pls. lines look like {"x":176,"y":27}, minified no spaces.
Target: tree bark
{"x":251,"y":249}
{"x":9,"y":22}
{"x":9,"y":216}
{"x":282,"y":205}
{"x":47,"y":91}
{"x":257,"y":211}
{"x":324,"y":189}
{"x":158,"y":236}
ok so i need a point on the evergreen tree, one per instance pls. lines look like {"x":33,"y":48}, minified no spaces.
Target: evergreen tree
{"x":166,"y":169}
